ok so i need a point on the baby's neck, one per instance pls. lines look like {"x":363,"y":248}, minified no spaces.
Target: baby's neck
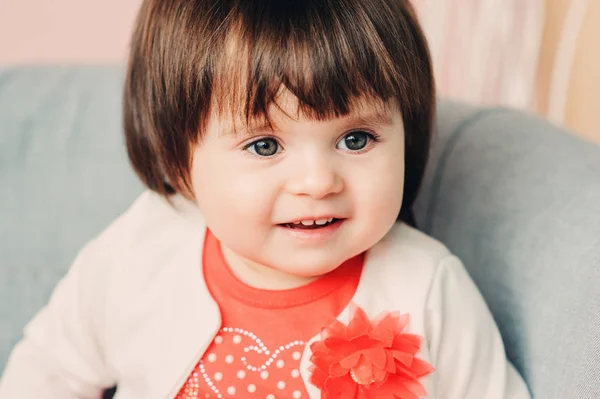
{"x":259,"y":276}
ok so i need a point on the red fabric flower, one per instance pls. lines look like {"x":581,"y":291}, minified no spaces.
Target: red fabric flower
{"x":368,"y":360}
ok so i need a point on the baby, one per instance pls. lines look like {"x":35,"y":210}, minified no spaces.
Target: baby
{"x":275,"y":254}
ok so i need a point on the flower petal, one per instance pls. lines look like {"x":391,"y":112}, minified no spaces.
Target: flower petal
{"x":363,"y":372}
{"x":365,"y":392}
{"x":395,"y":390}
{"x":415,"y":387}
{"x":341,"y":348}
{"x":337,"y":370}
{"x":403,"y":357}
{"x":407,"y":386}
{"x":376,"y":356}
{"x":410,"y":343}
{"x":385,"y":328}
{"x":321,"y":363}
{"x":359,"y":324}
{"x":404,"y":371}
{"x":402,"y":323}
{"x":351,"y":361}
{"x":318,"y":347}
{"x":379,"y":395}
{"x":339,"y":388}
{"x":402,"y":392}
{"x":390,"y":363}
{"x":335,"y":329}
{"x":380,"y":375}
{"x":421,"y":368}
{"x":318,"y":378}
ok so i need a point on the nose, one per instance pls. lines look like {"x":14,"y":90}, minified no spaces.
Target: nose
{"x":315,"y":177}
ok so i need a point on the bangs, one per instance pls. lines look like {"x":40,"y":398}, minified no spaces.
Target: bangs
{"x":309,"y":49}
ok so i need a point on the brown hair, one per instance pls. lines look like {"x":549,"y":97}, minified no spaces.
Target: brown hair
{"x":189,"y":57}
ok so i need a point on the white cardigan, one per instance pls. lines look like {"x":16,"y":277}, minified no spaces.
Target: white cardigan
{"x":135,"y":311}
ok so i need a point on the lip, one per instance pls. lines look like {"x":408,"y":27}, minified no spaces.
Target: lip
{"x":314,"y":235}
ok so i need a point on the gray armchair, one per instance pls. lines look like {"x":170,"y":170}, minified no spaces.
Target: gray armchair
{"x":517,"y":199}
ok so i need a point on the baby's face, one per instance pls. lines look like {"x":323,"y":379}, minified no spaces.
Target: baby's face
{"x":306,"y":196}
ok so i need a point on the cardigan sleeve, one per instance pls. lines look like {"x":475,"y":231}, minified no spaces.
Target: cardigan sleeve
{"x":60,"y":355}
{"x":465,"y":344}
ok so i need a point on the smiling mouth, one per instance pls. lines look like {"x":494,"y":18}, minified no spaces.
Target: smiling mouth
{"x":311,"y":224}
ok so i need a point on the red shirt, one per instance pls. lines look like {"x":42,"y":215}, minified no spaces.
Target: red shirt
{"x":258,"y":349}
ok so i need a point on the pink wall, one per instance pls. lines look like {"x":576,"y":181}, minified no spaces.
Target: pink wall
{"x":34,"y":31}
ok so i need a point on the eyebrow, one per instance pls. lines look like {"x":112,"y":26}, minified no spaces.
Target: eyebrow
{"x":246,"y":130}
{"x":372,"y":119}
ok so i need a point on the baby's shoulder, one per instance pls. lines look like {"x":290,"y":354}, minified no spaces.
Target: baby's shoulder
{"x":406,"y":249}
{"x":401,"y":271}
{"x":139,"y":241}
{"x":150,"y":218}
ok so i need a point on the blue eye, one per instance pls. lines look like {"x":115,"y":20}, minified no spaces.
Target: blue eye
{"x":265,"y":147}
{"x":355,"y":141}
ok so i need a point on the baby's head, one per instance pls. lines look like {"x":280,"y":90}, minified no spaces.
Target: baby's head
{"x":301,"y":128}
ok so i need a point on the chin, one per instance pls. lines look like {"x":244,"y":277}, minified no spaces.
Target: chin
{"x":310,"y":268}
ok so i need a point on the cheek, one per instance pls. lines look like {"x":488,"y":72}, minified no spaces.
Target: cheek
{"x":381,"y":196}
{"x":387,"y":189}
{"x":226,"y":195}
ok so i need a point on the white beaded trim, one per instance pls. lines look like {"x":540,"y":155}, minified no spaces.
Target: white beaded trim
{"x":209,"y":381}
{"x":260,"y":348}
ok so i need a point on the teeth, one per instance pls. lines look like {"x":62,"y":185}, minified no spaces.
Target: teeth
{"x":319,"y":222}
